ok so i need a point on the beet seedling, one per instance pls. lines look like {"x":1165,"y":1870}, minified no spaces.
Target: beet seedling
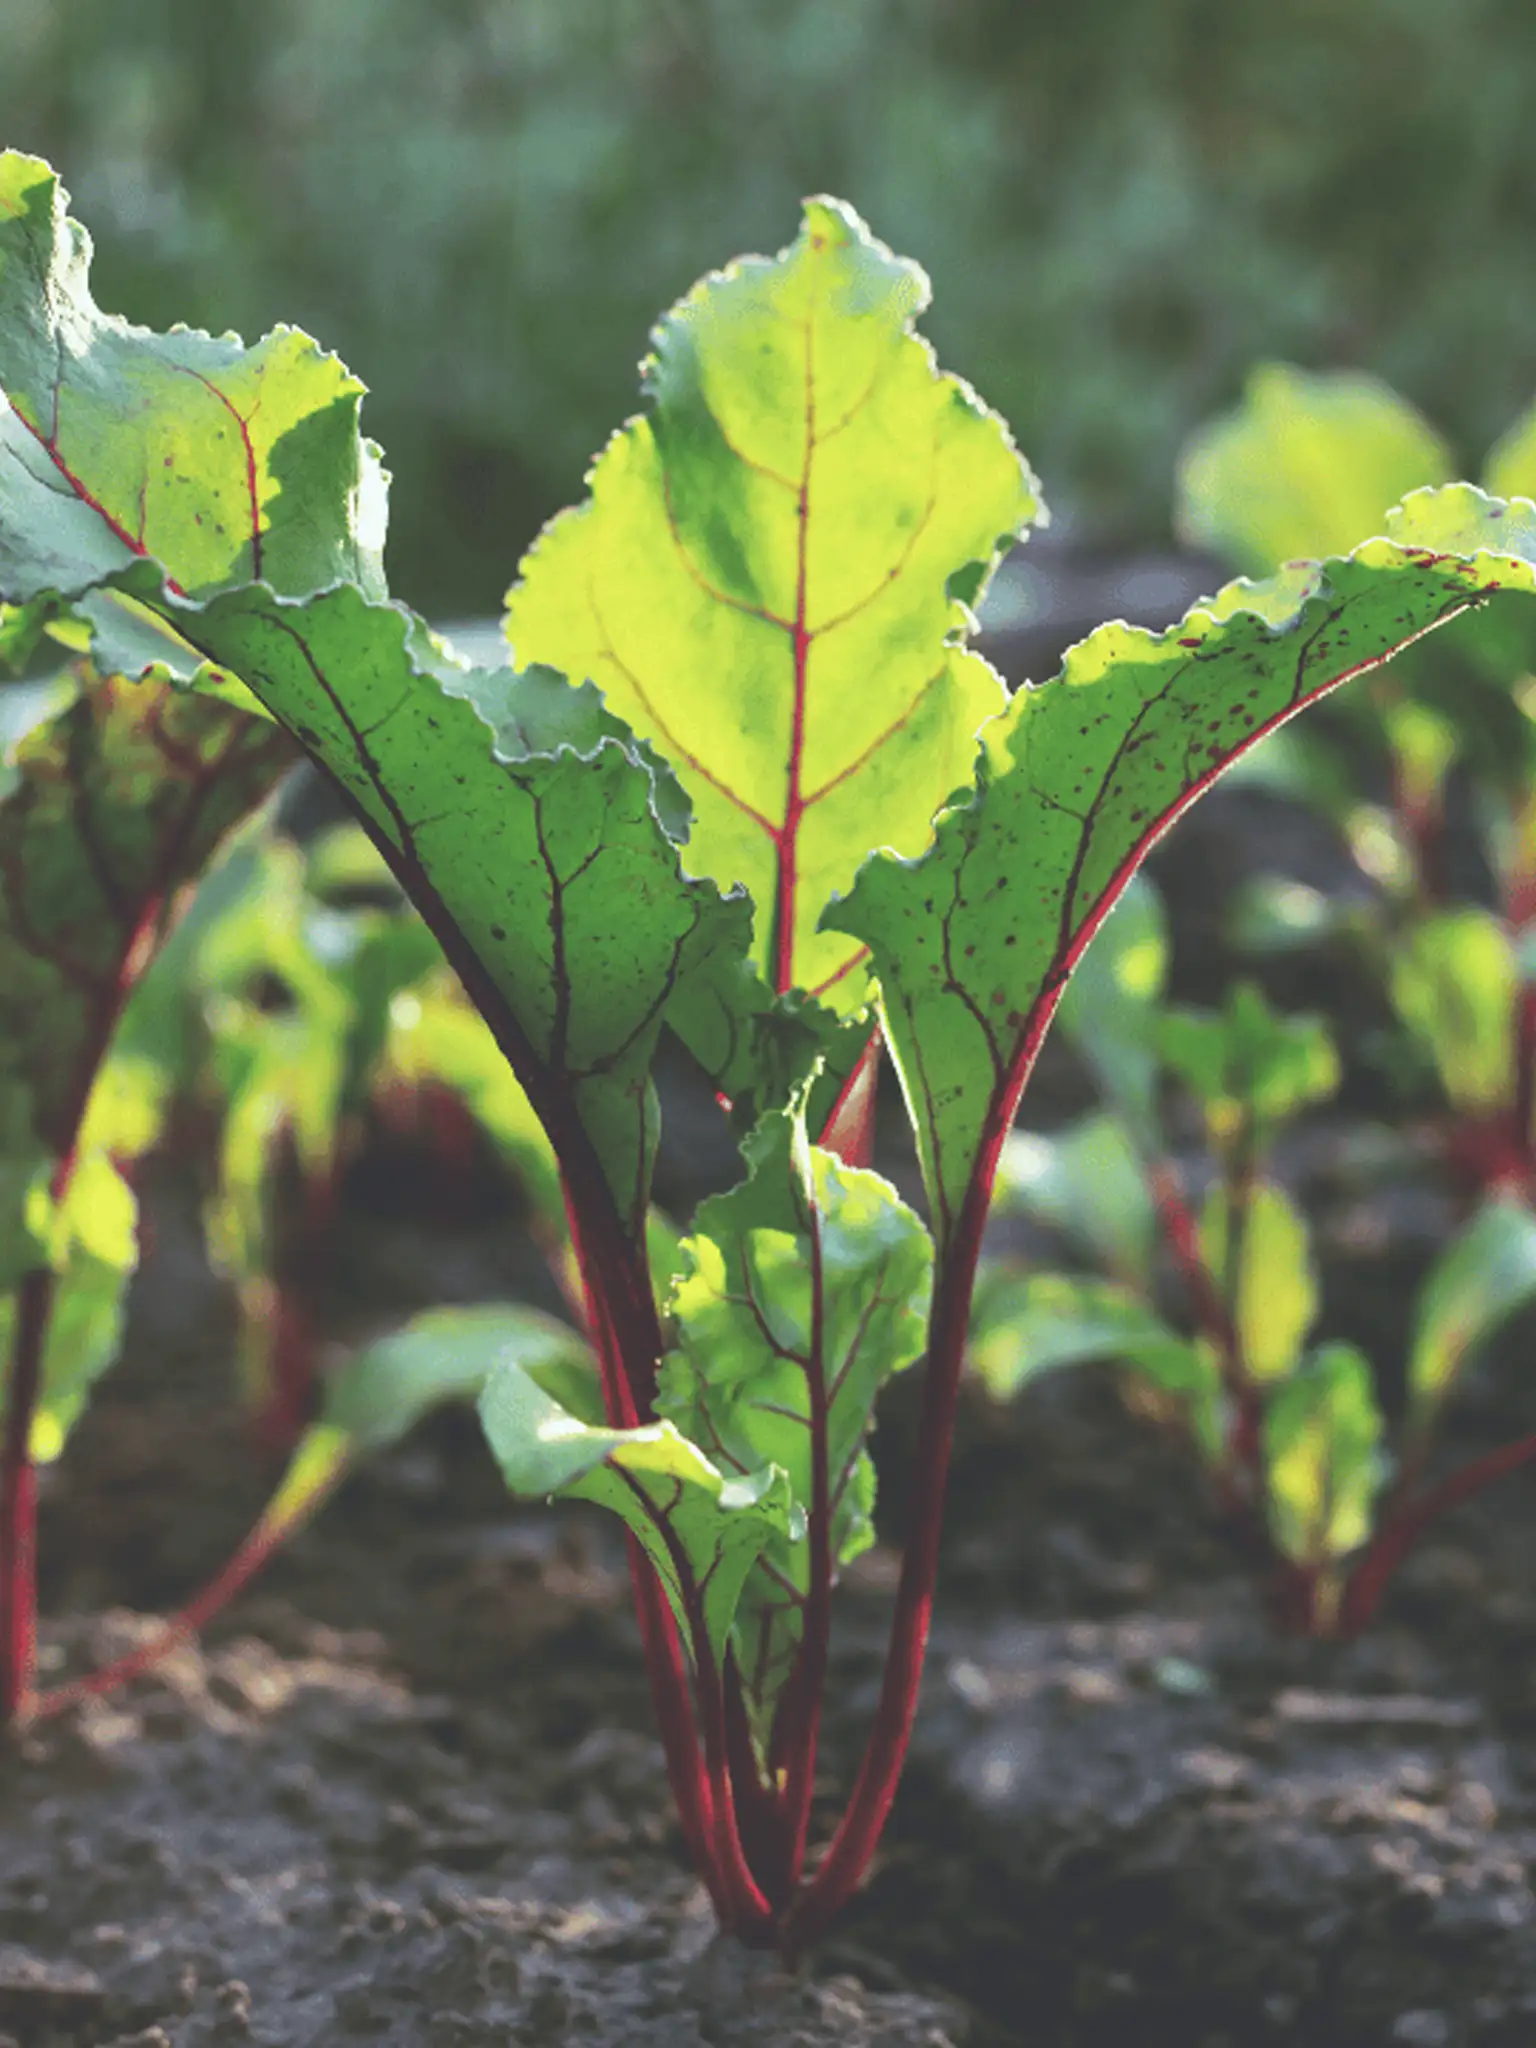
{"x":750,"y":787}
{"x":1290,"y":1430}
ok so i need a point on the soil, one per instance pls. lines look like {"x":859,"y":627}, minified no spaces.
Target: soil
{"x":407,"y":1791}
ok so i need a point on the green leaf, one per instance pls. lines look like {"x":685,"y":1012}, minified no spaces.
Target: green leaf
{"x":973,"y":941}
{"x":1486,"y":1272}
{"x":1251,"y":1069}
{"x":774,"y":577}
{"x":703,"y":1531}
{"x":1307,"y":466}
{"x":809,"y":1274}
{"x":442,"y":1355}
{"x":1323,"y":1456}
{"x":90,"y":1241}
{"x":1088,"y":1182}
{"x":1455,"y":982}
{"x":1273,"y":1288}
{"x":510,"y":802}
{"x":223,"y":464}
{"x":1109,"y":1009}
{"x":1024,"y":1324}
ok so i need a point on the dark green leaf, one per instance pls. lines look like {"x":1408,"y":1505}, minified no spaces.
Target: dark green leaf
{"x":973,"y":942}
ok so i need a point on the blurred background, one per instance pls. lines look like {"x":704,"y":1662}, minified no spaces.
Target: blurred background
{"x":483,"y":204}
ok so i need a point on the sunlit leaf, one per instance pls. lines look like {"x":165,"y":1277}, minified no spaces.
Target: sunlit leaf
{"x":1307,"y":466}
{"x":1323,"y":1456}
{"x":221,"y":463}
{"x":1486,"y":1272}
{"x":1269,"y":1277}
{"x":773,"y":577}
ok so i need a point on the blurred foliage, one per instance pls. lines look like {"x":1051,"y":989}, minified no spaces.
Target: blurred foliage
{"x":1154,"y":192}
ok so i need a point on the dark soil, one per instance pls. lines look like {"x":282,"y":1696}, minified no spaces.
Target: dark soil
{"x":408,"y":1792}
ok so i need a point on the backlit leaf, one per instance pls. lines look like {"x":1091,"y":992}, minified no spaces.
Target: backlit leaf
{"x":773,"y":576}
{"x":1307,"y":466}
{"x":221,"y":463}
{"x":1323,"y":1456}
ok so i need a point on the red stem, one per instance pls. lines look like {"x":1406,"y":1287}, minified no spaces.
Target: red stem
{"x":811,"y":1665}
{"x":267,"y":1536}
{"x":1369,"y":1579}
{"x":858,"y":1835}
{"x":18,"y":1498}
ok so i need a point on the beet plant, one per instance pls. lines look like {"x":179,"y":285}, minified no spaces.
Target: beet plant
{"x":749,"y":786}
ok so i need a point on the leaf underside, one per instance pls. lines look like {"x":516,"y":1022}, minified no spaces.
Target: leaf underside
{"x":973,"y":942}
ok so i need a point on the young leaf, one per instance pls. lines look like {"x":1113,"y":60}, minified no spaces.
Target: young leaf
{"x":702,"y":1530}
{"x":1306,"y":467}
{"x":1455,"y":982}
{"x":1479,"y":1280}
{"x":1275,"y":1281}
{"x":509,"y":802}
{"x":1088,"y":1182}
{"x":973,"y":942}
{"x":773,"y":577}
{"x":800,"y":1293}
{"x":1323,"y":1457}
{"x":92,"y":1247}
{"x":220,"y":463}
{"x":1024,"y":1324}
{"x":442,"y":1355}
{"x":1253,"y":1070}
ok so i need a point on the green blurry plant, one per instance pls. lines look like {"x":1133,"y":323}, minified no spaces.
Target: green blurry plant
{"x":302,"y":1003}
{"x":1304,"y":459}
{"x":751,"y":786}
{"x":1288,"y":1426}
